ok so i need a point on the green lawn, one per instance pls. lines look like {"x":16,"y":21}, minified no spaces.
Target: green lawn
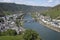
{"x":18,"y":37}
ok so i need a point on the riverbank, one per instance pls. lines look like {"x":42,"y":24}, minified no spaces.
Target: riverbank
{"x":45,"y":32}
{"x":49,"y":26}
{"x":57,"y":29}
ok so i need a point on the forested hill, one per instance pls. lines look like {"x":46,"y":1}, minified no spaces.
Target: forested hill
{"x":53,"y":12}
{"x":10,"y":8}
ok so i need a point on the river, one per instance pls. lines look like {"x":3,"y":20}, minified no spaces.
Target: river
{"x":44,"y":32}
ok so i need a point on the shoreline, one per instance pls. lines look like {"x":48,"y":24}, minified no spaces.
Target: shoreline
{"x":49,"y":26}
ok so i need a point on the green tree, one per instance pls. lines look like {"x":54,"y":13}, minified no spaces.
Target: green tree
{"x":17,"y":22}
{"x":31,"y":35}
{"x":9,"y":32}
{"x":0,"y":33}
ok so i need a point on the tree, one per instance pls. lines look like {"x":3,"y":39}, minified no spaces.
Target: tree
{"x":31,"y":35}
{"x":17,"y":22}
{"x":9,"y":32}
{"x":0,"y":33}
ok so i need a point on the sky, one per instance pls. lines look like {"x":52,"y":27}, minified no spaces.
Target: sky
{"x":34,"y":2}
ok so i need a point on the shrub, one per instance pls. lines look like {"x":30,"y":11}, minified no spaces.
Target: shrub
{"x":31,"y":35}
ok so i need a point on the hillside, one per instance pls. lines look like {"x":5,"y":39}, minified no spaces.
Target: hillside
{"x":53,"y":12}
{"x":11,"y":8}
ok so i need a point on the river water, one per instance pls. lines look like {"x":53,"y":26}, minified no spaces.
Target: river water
{"x":45,"y":33}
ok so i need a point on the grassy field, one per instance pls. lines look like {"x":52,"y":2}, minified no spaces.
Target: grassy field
{"x":18,"y":37}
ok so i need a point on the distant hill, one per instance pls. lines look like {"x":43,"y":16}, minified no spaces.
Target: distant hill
{"x":53,"y":12}
{"x":11,"y":8}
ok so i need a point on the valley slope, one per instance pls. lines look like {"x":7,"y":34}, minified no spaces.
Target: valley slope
{"x":12,"y":8}
{"x":54,"y":12}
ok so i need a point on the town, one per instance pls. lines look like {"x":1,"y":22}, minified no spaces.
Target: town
{"x":54,"y":24}
{"x":8,"y":22}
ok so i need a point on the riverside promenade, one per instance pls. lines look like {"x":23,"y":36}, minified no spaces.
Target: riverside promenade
{"x":49,"y":26}
{"x":46,"y":21}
